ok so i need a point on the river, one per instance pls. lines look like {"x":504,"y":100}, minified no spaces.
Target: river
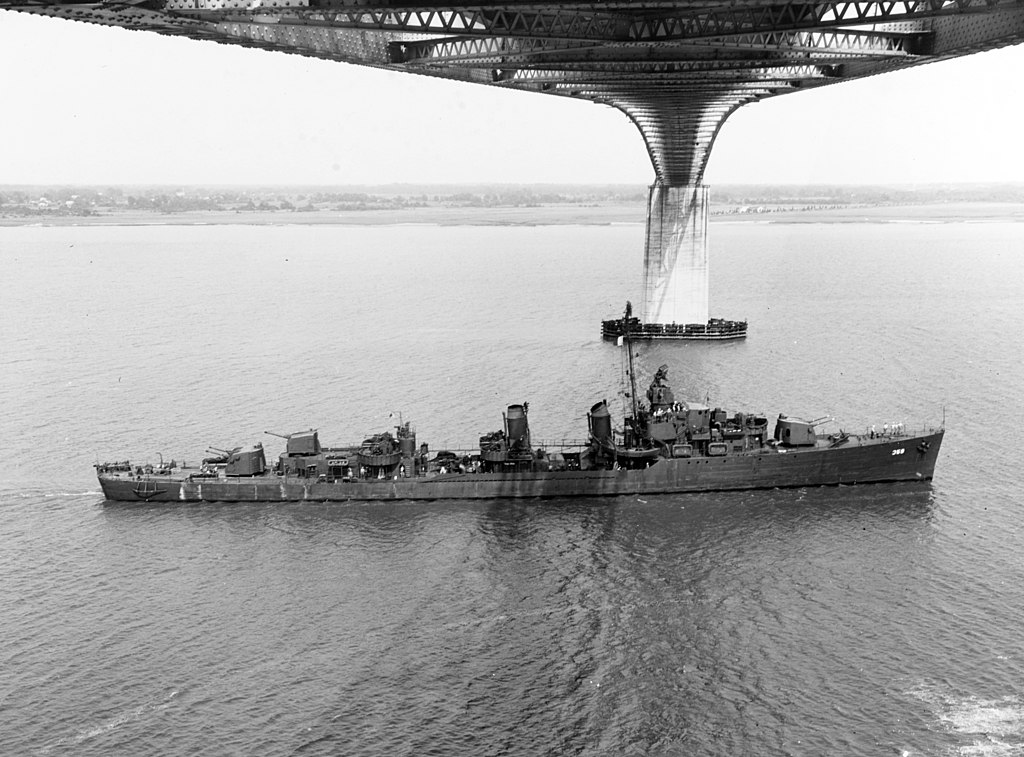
{"x":855,"y":620}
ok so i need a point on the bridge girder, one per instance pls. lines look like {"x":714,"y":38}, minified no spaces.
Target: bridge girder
{"x":676,"y":69}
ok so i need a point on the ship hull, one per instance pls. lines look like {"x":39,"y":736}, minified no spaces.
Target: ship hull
{"x":858,"y":461}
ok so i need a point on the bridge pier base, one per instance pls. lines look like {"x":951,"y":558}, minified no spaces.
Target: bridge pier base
{"x":675,"y":280}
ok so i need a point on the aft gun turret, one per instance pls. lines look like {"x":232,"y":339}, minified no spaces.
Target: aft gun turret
{"x":247,"y":461}
{"x":300,"y":442}
{"x":303,"y":455}
{"x":218,"y":456}
{"x":240,"y":461}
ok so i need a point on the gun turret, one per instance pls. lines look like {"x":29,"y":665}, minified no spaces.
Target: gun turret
{"x":300,"y":442}
{"x":219,"y":456}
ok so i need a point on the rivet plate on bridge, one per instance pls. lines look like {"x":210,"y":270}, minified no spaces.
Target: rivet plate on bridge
{"x":220,"y":5}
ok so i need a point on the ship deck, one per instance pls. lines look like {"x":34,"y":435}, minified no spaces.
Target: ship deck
{"x":850,"y":460}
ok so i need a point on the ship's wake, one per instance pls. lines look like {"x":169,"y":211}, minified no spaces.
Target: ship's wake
{"x":983,"y":727}
{"x":112,"y":724}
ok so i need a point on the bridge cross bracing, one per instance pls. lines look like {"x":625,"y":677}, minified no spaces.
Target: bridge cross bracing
{"x":676,"y":68}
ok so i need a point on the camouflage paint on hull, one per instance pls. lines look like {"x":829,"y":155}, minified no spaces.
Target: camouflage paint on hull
{"x":860,"y":461}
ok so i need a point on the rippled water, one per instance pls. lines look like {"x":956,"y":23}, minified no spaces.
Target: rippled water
{"x":864,"y":620}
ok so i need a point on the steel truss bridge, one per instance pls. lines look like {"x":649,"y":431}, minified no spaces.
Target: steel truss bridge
{"x":676,"y":68}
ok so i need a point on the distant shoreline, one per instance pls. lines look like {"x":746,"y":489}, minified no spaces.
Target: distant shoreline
{"x":549,"y":215}
{"x":597,"y":214}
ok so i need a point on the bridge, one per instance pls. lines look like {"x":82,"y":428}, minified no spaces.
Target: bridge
{"x":676,"y":68}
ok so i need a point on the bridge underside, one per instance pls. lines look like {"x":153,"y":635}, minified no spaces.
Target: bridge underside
{"x":676,"y":68}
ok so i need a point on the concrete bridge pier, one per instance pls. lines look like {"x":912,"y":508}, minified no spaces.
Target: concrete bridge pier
{"x":675,"y":278}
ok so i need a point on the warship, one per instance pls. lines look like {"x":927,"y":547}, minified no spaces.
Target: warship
{"x":665,"y":445}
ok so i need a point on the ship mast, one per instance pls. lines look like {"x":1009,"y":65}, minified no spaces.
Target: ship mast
{"x":627,"y":340}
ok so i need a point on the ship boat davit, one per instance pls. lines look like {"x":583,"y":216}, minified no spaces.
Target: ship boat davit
{"x":664,"y":446}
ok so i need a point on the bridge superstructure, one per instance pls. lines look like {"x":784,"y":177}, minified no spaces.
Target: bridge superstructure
{"x":676,"y":68}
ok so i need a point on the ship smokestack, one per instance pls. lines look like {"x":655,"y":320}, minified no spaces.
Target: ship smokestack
{"x":601,"y":423}
{"x":518,"y":428}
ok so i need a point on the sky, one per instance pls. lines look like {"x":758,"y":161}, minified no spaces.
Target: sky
{"x":85,"y":104}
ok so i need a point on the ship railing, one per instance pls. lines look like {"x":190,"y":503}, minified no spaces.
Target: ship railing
{"x":900,"y":430}
{"x":716,"y":327}
{"x":462,"y":449}
{"x":561,"y":443}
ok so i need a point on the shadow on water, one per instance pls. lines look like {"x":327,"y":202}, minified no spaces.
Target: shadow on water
{"x":511,"y":525}
{"x":646,"y":624}
{"x":702,"y":623}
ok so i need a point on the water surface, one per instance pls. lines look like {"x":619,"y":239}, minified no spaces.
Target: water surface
{"x":863,"y":620}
